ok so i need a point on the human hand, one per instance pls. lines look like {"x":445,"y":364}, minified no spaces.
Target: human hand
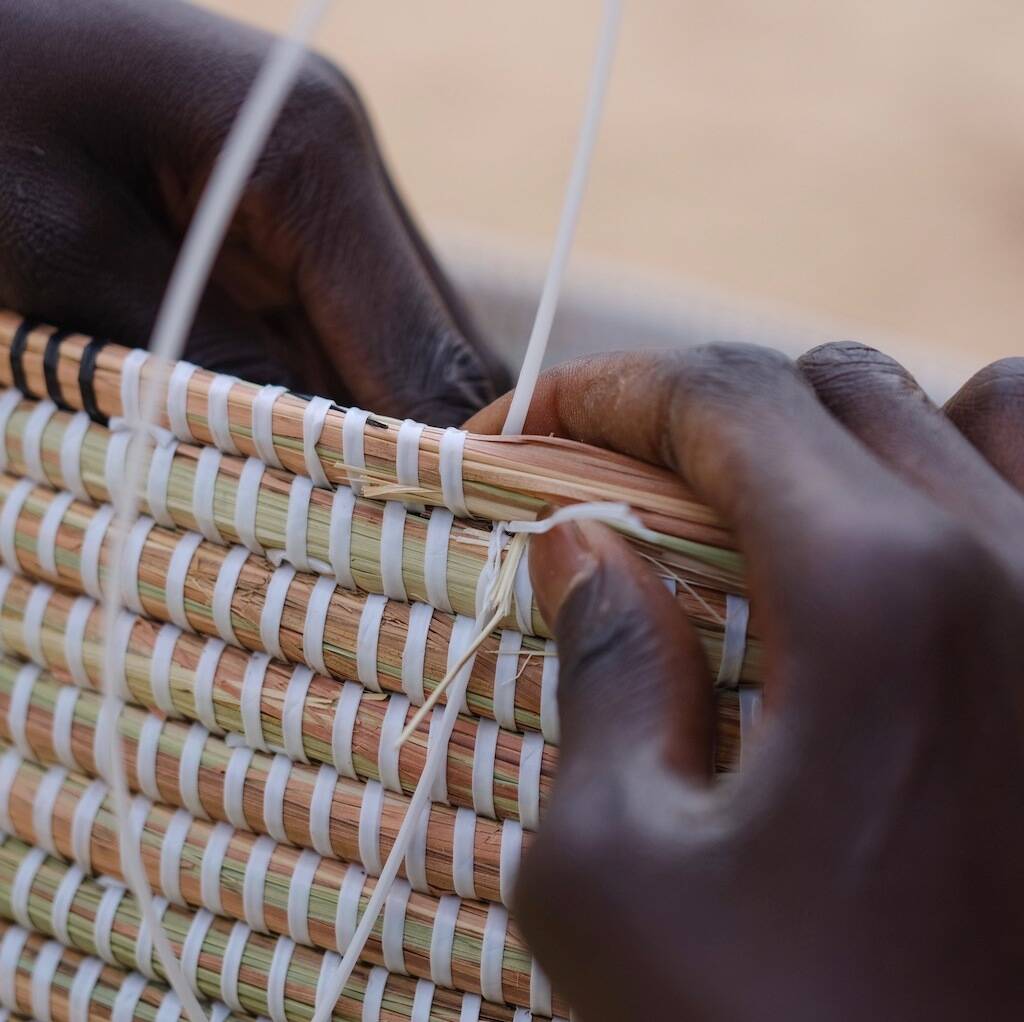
{"x":869,"y":860}
{"x":112,"y":117}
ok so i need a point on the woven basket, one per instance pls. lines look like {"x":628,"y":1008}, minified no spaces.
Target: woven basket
{"x":303,"y":578}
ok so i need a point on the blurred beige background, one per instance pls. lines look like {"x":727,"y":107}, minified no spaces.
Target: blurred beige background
{"x":811,"y":169}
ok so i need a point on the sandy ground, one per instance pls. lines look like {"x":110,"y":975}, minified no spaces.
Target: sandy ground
{"x":858,"y":161}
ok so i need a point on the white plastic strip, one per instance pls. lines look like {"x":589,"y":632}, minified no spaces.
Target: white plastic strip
{"x":415,"y":650}
{"x":203,"y":684}
{"x":214,"y":853}
{"x":352,"y":454}
{"x":251,"y":701}
{"x":392,"y":542}
{"x":340,"y":536}
{"x":177,"y":576}
{"x":127,"y":998}
{"x":82,"y":986}
{"x":177,"y":401}
{"x":204,"y":492}
{"x":300,"y":887}
{"x":442,"y":940}
{"x":313,"y":418}
{"x":49,"y":527}
{"x":263,"y":424}
{"x":234,"y":786}
{"x":231,"y":966}
{"x":471,"y":1005}
{"x":218,"y":416}
{"x":44,"y":805}
{"x":21,"y":885}
{"x":277,"y":975}
{"x":60,"y":910}
{"x":160,"y":668}
{"x":464,"y":853}
{"x":435,"y":558}
{"x":347,"y":913}
{"x":83,"y":821}
{"x":387,"y":748}
{"x":291,"y":714}
{"x":320,"y":810}
{"x":296,"y":530}
{"x":523,"y":597}
{"x":407,"y":454}
{"x":734,"y":642}
{"x":74,"y":639}
{"x":63,"y":726}
{"x":367,"y":639}
{"x":6,"y":578}
{"x":9,"y":401}
{"x":32,"y":621}
{"x":416,"y":856}
{"x":170,"y":1008}
{"x":422,"y":1002}
{"x":254,"y":883}
{"x":224,"y":589}
{"x":373,"y":995}
{"x":146,"y":750}
{"x":158,"y":483}
{"x":193,"y":945}
{"x":508,"y":859}
{"x":171,"y":847}
{"x":449,"y":466}
{"x":273,"y":610}
{"x":370,"y":812}
{"x":71,"y":447}
{"x":43,"y":974}
{"x":506,"y":667}
{"x":18,"y":706}
{"x":531,"y":758}
{"x":9,"y":521}
{"x":115,"y":461}
{"x":131,"y":386}
{"x":247,"y":501}
{"x":439,"y":789}
{"x":392,"y":937}
{"x":464,"y":631}
{"x":92,"y":546}
{"x":549,"y":694}
{"x":11,"y":948}
{"x":103,"y":923}
{"x":273,"y":797}
{"x":484,"y":751}
{"x":316,"y":623}
{"x":540,"y":991}
{"x":32,"y":440}
{"x":188,"y":770}
{"x":10,"y":763}
{"x":492,"y":951}
{"x":131,"y":563}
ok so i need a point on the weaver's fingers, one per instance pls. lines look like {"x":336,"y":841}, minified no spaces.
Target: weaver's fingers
{"x":989,"y":411}
{"x":744,"y":428}
{"x":878,"y":401}
{"x":633,"y":680}
{"x":55,"y":265}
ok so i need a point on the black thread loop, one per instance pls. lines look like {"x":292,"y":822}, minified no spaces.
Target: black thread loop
{"x":18,"y":345}
{"x":86,"y":372}
{"x":51,"y":360}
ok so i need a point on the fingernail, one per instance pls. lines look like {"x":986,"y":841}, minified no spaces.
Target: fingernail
{"x":560,"y":561}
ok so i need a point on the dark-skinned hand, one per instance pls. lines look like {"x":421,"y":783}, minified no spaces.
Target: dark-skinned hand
{"x":113,"y":113}
{"x":868,"y":862}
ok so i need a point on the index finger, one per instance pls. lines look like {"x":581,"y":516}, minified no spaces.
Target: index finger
{"x":745,"y":430}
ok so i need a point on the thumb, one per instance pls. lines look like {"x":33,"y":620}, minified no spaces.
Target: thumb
{"x":633,"y":678}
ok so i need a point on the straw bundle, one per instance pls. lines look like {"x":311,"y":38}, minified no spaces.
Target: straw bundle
{"x":104,"y":920}
{"x":300,"y":895}
{"x":187,"y":767}
{"x":45,"y":980}
{"x":502,"y":479}
{"x":283,"y":625}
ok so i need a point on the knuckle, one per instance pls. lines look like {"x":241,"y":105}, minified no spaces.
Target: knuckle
{"x":843,"y":373}
{"x":993,"y":392}
{"x":325,"y":106}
